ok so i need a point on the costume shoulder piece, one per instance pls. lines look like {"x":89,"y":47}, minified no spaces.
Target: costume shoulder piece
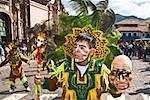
{"x":101,"y":49}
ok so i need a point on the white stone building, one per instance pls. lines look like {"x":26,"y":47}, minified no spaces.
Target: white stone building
{"x":18,"y":16}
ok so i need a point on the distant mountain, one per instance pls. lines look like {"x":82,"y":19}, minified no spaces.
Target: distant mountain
{"x":121,"y":17}
{"x":148,"y":18}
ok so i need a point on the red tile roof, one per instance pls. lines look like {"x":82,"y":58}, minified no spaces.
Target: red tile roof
{"x":142,"y":26}
{"x":129,"y":21}
{"x":139,"y":28}
{"x":147,"y":21}
{"x":128,"y":29}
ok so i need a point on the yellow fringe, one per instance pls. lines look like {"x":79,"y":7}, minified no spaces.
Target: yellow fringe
{"x":70,"y":95}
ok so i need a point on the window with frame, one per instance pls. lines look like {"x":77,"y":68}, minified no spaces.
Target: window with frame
{"x":2,"y":28}
{"x":143,"y":34}
{"x":129,"y":34}
{"x":124,"y":34}
{"x":134,"y":34}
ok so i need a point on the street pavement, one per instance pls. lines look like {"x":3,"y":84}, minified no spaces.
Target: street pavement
{"x":139,"y":89}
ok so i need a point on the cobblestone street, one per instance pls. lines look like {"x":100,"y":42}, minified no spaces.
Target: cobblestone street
{"x":141,"y":81}
{"x":139,"y":89}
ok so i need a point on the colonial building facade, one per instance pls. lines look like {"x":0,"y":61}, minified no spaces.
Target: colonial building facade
{"x":18,"y":16}
{"x":132,"y":29}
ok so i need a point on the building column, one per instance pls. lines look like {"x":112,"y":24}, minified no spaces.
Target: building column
{"x":19,"y":36}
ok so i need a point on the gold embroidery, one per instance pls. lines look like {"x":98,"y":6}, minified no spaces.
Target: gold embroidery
{"x":81,"y":80}
{"x":72,"y":64}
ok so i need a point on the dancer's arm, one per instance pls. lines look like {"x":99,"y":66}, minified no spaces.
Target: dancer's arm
{"x":4,"y":62}
{"x":25,"y":59}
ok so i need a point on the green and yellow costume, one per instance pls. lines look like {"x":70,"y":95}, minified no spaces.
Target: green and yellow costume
{"x":87,"y":87}
{"x":17,"y":70}
{"x":84,"y":87}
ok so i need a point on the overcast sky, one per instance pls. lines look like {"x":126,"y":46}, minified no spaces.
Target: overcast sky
{"x":139,"y":8}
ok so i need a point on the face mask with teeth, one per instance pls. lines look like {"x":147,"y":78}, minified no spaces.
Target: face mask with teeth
{"x":40,"y":41}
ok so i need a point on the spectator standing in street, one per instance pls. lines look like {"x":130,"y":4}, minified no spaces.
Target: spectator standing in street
{"x":24,"y":49}
{"x":130,"y":46}
{"x":125,"y":46}
{"x":135,"y":48}
{"x":140,"y":46}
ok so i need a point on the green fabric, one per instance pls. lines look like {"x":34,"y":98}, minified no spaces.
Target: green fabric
{"x":38,"y":89}
{"x":11,"y":83}
{"x":98,"y":65}
{"x":24,"y":80}
{"x":112,"y":87}
{"x":68,"y":63}
{"x":46,"y":83}
{"x":83,"y":89}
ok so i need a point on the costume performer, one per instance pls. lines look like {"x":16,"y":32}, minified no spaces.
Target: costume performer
{"x":81,"y":75}
{"x":119,"y":78}
{"x":15,"y":58}
{"x":40,"y":47}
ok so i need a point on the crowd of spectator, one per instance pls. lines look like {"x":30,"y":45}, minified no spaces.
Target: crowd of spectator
{"x":22,"y":46}
{"x":139,"y":49}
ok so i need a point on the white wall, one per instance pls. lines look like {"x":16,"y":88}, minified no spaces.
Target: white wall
{"x":38,"y":13}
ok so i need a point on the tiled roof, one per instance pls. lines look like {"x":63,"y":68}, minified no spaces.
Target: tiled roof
{"x":128,"y":29}
{"x":142,"y":26}
{"x":139,"y":28}
{"x":129,"y":21}
{"x":147,"y":21}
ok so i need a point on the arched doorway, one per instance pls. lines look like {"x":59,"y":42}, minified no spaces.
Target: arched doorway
{"x":5,"y":28}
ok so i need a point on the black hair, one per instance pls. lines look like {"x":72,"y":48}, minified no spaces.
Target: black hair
{"x":86,"y":37}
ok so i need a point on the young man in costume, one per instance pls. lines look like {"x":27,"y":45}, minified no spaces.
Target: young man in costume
{"x":119,"y":78}
{"x":81,"y":74}
{"x":15,"y":58}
